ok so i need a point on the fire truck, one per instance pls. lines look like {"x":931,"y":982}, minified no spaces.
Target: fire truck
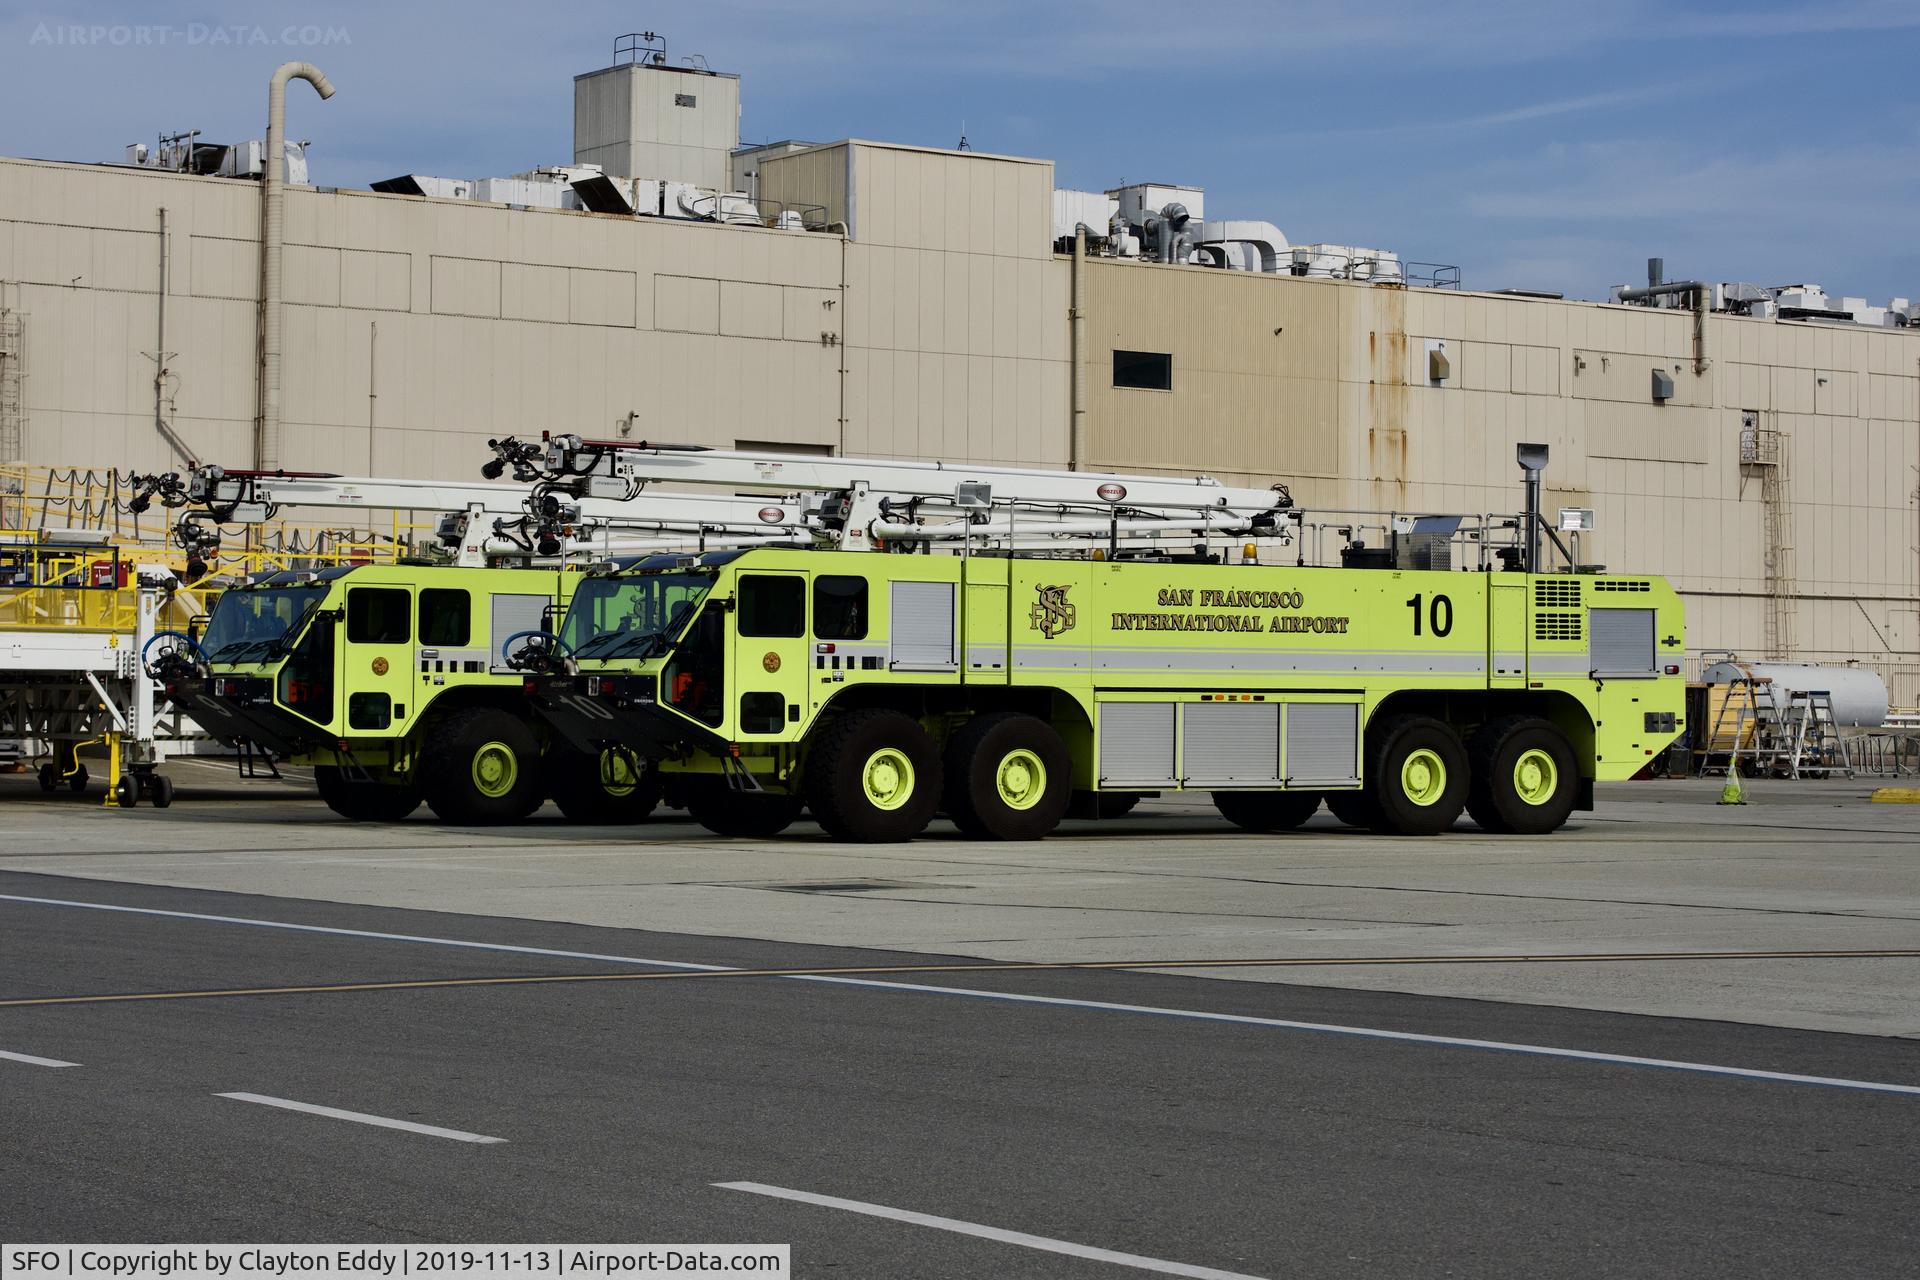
{"x":393,"y":680}
{"x":1087,"y":637}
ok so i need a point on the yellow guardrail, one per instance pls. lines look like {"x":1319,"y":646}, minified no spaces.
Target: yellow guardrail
{"x":70,"y":548}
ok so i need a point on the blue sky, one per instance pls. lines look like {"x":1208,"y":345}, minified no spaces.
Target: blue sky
{"x":1537,"y":145}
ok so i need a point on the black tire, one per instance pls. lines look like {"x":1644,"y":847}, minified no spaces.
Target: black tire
{"x":1266,"y":810}
{"x":1355,"y":808}
{"x":481,"y":766}
{"x":1404,"y":752}
{"x":741,"y":814}
{"x":1497,"y":757}
{"x":601,"y":788}
{"x":363,"y":801}
{"x":162,"y":788}
{"x":49,"y":778}
{"x":1002,"y":749}
{"x":126,"y":792}
{"x":838,"y":759}
{"x":78,"y":782}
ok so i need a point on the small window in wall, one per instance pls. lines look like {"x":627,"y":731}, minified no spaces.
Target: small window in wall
{"x":1143,"y":370}
{"x":839,"y":607}
{"x":446,"y":617}
{"x":378,"y":615}
{"x":772,"y":606}
{"x":683,"y":100}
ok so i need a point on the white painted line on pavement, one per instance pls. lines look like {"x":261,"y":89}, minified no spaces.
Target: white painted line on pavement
{"x":32,"y":1061}
{"x":360,"y":1117}
{"x":1014,"y":997}
{"x":1020,"y":1238}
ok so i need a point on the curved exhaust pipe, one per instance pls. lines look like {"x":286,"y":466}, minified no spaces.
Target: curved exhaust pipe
{"x":266,"y":446}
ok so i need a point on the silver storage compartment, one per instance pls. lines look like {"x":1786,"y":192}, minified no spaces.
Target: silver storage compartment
{"x":1620,"y":642}
{"x":1136,"y":744}
{"x":1230,"y":744}
{"x":922,"y":627}
{"x":1322,"y":744}
{"x":512,"y":614}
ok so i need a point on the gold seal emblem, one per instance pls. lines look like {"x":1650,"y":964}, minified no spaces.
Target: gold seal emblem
{"x":379,"y":666}
{"x":771,"y":662}
{"x":1051,"y":613}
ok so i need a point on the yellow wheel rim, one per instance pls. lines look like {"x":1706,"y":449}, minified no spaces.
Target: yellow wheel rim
{"x":618,"y":776}
{"x":887,"y":778}
{"x":1423,"y":776}
{"x":1021,"y":779}
{"x":1535,"y":776}
{"x":495,"y":769}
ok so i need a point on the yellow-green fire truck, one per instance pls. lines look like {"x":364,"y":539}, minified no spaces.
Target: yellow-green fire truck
{"x":392,"y":682}
{"x":876,"y":689}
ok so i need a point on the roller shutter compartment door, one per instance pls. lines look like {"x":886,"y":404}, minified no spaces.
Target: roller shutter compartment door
{"x":1136,"y":744}
{"x":1228,"y":744}
{"x":1620,"y":642}
{"x":511,"y":615}
{"x":1322,"y":744}
{"x":922,"y":627}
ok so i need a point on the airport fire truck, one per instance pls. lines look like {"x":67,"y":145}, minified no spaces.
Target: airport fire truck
{"x":392,"y":679}
{"x":1095,"y":635}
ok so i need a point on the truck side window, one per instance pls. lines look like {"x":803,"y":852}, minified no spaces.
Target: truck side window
{"x":773,"y":606}
{"x":839,"y":607}
{"x":378,"y":615}
{"x":446,"y":616}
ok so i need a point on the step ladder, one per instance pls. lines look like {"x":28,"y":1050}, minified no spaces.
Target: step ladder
{"x":1811,"y":744}
{"x":1748,"y":723}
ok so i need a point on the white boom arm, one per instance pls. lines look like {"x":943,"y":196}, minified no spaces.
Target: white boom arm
{"x":869,"y":499}
{"x":479,"y":520}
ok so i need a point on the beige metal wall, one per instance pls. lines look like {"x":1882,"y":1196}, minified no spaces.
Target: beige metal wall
{"x":1324,"y":384}
{"x":418,"y":328}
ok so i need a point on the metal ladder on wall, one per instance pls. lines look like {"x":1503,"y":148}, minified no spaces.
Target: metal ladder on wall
{"x":1811,"y":742}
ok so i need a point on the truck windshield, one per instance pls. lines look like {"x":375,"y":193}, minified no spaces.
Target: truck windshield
{"x":254,"y":625}
{"x":631,"y":617}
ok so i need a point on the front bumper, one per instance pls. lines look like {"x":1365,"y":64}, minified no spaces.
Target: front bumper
{"x":232,"y":708}
{"x":595,"y":712}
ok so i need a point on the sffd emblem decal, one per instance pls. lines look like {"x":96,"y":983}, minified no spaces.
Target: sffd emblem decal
{"x":1051,"y":613}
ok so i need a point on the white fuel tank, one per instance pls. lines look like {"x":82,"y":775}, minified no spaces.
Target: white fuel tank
{"x":1859,"y":696}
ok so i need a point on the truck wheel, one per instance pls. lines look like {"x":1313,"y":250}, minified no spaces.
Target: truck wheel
{"x":1417,"y":770}
{"x":726,"y":812}
{"x":1008,"y":777}
{"x":612,"y":787}
{"x":162,"y":788}
{"x":481,"y":766}
{"x":873,"y":776}
{"x":364,"y":801}
{"x":1524,"y":776}
{"x":1266,"y":810}
{"x":1355,"y":808}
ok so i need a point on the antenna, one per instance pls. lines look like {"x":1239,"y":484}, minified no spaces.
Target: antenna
{"x":963,"y":138}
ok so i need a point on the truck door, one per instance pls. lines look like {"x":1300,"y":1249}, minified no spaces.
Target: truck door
{"x":377,"y":665}
{"x":1506,"y":632}
{"x":770,"y":653}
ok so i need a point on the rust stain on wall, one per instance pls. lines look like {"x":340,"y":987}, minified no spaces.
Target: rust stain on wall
{"x":1387,"y":456}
